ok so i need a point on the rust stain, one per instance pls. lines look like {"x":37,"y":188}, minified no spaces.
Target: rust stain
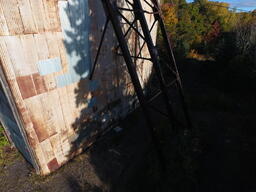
{"x":32,"y":139}
{"x":22,"y":110}
{"x":26,"y":86}
{"x":53,"y":165}
{"x":39,"y":83}
{"x":41,"y":133}
{"x":26,"y":118}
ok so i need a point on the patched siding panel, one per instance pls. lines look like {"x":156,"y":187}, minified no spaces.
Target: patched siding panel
{"x":46,"y":48}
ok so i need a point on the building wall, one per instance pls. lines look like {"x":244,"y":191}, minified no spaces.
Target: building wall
{"x":47,"y":48}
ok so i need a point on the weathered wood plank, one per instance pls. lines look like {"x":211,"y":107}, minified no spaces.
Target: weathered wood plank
{"x":30,"y":131}
{"x":49,"y":115}
{"x":3,"y":25}
{"x":66,"y":148}
{"x":12,"y":16}
{"x":54,"y":100}
{"x":39,"y":15}
{"x":41,"y":160}
{"x":30,"y":53}
{"x":47,"y":150}
{"x":16,"y":54}
{"x":67,"y":115}
{"x":34,"y":107}
{"x":52,"y":41}
{"x":57,"y":148}
{"x":6,"y":61}
{"x":27,"y":17}
{"x":51,"y":11}
{"x":42,"y":47}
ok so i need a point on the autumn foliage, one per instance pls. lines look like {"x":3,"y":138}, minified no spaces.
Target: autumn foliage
{"x":208,"y":28}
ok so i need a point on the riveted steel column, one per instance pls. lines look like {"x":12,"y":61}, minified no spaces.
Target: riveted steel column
{"x":138,"y":10}
{"x":112,"y":14}
{"x":168,"y":47}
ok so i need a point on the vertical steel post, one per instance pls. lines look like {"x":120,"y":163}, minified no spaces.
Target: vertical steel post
{"x":138,"y":10}
{"x":167,"y":43}
{"x":112,"y":14}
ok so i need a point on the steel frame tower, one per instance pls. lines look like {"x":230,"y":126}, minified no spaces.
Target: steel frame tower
{"x":114,"y":15}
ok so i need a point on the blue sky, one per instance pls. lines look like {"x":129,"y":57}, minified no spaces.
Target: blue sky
{"x":247,"y":5}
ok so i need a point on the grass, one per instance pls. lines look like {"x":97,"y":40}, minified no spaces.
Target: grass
{"x":7,"y":153}
{"x":3,"y":144}
{"x":3,"y":141}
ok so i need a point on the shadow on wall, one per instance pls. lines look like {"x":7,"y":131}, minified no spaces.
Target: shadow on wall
{"x":104,"y":95}
{"x":109,"y":95}
{"x":119,"y":160}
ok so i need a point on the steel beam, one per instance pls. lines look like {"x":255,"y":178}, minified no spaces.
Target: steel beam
{"x":111,"y":11}
{"x":154,"y":56}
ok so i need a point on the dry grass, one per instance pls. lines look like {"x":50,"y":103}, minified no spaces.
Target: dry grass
{"x":193,"y":54}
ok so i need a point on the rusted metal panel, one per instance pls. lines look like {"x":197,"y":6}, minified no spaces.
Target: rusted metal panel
{"x":39,"y":83}
{"x":53,"y":165}
{"x":27,"y":87}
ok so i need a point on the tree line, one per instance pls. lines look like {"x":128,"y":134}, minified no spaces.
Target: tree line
{"x":206,"y":29}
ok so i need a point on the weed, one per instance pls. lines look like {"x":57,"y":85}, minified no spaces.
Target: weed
{"x":7,"y":154}
{"x":3,"y":141}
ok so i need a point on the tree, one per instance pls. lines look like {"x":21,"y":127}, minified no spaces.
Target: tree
{"x":170,"y":18}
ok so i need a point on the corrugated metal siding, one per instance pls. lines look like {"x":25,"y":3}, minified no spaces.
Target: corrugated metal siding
{"x":45,"y":50}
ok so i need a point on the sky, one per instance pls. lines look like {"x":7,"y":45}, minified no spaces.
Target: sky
{"x":247,"y":5}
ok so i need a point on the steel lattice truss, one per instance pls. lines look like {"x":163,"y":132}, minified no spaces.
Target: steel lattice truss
{"x":166,"y":73}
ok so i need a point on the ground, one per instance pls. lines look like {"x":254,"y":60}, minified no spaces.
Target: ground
{"x":218,"y":155}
